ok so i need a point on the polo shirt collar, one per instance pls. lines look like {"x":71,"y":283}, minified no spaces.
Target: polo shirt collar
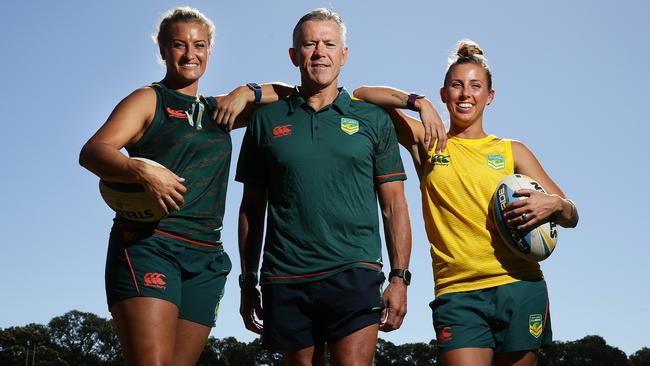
{"x":340,"y":104}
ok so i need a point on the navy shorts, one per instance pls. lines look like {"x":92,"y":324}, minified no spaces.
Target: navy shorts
{"x":302,"y":315}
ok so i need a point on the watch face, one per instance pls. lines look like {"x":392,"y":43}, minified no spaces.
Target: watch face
{"x":404,"y":274}
{"x":407,"y":276}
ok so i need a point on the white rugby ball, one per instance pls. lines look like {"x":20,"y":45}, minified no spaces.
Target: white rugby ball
{"x":130,"y":200}
{"x":534,"y":245}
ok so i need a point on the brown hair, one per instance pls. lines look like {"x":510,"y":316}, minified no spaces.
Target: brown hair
{"x":468,"y":52}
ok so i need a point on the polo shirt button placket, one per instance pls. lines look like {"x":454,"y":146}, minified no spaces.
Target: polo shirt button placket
{"x":314,"y":125}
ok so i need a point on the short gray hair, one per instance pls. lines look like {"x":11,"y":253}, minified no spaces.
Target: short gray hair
{"x":320,"y":14}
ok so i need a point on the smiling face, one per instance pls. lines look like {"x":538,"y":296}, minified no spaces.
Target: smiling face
{"x":187,"y":52}
{"x":319,"y":53}
{"x":466,"y":93}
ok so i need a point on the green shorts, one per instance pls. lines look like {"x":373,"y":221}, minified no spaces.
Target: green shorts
{"x":189,"y":274}
{"x":508,"y":318}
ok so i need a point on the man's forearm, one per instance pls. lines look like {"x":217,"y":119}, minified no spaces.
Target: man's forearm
{"x":251,"y":228}
{"x":397,"y":228}
{"x":397,"y":225}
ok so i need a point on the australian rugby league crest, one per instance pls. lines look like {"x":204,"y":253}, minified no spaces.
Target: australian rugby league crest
{"x":535,"y":325}
{"x":349,"y":125}
{"x":496,"y":162}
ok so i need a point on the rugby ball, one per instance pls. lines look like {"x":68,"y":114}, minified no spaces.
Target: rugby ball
{"x":534,"y":245}
{"x":130,"y":200}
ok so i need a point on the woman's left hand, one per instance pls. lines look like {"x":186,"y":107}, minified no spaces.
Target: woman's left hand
{"x":536,"y":209}
{"x":230,"y":106}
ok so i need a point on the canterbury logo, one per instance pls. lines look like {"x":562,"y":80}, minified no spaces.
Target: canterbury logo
{"x":440,"y":159}
{"x":176,"y":113}
{"x":153,"y":279}
{"x":444,"y":335}
{"x":280,"y":131}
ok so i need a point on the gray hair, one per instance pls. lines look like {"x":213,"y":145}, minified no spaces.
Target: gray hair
{"x":320,"y":14}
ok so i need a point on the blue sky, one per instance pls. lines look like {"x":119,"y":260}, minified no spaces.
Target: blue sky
{"x":570,"y":79}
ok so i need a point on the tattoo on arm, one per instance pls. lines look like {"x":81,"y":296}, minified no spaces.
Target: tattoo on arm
{"x":398,"y":97}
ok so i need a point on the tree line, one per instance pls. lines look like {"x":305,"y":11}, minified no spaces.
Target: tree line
{"x":80,"y":338}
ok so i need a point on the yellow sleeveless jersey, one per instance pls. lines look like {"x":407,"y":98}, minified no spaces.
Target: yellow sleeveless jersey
{"x":457,"y":187}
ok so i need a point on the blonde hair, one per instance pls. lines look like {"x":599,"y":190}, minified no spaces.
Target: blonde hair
{"x":183,"y":14}
{"x":468,"y":52}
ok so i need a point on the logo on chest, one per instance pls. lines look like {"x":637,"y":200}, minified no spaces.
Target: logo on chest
{"x":439,"y":159}
{"x":176,"y":113}
{"x":281,"y":131}
{"x":349,"y":126}
{"x":496,"y":162}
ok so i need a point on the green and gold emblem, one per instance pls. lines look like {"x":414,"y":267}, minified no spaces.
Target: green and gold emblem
{"x":535,"y":325}
{"x":496,"y":162}
{"x":349,"y":125}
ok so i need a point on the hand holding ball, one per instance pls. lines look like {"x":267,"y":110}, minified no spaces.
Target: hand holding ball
{"x":130,"y":200}
{"x":534,"y":245}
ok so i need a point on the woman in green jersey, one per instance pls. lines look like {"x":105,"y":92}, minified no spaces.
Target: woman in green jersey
{"x":490,"y":306}
{"x":164,"y":280}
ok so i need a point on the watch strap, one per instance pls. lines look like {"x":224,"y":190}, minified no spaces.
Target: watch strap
{"x":410,"y":101}
{"x":404,"y":274}
{"x":257,"y":89}
{"x":248,"y":279}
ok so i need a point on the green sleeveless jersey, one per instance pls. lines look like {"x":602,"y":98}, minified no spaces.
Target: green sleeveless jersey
{"x":183,"y":138}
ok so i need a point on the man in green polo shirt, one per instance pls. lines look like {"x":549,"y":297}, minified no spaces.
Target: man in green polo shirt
{"x":320,"y":160}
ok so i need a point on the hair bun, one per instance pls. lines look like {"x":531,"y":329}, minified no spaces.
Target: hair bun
{"x":467,"y":47}
{"x":468,"y":52}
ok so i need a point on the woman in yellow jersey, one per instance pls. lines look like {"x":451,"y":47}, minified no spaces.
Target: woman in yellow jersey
{"x":490,"y":306}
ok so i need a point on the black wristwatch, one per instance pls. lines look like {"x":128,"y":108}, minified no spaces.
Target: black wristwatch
{"x":410,"y":101}
{"x":404,"y":274}
{"x":248,"y":279}
{"x":257,"y":89}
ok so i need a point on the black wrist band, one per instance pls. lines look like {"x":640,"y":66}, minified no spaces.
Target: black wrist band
{"x":257,"y":89}
{"x":410,"y":101}
{"x":248,"y":279}
{"x":404,"y":274}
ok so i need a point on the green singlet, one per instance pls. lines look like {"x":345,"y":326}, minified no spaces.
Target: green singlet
{"x":183,"y":138}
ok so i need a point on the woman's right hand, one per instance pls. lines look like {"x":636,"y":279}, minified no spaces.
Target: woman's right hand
{"x":161,"y":183}
{"x":434,"y":127}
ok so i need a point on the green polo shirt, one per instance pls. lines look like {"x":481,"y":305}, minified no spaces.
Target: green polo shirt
{"x":320,"y":170}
